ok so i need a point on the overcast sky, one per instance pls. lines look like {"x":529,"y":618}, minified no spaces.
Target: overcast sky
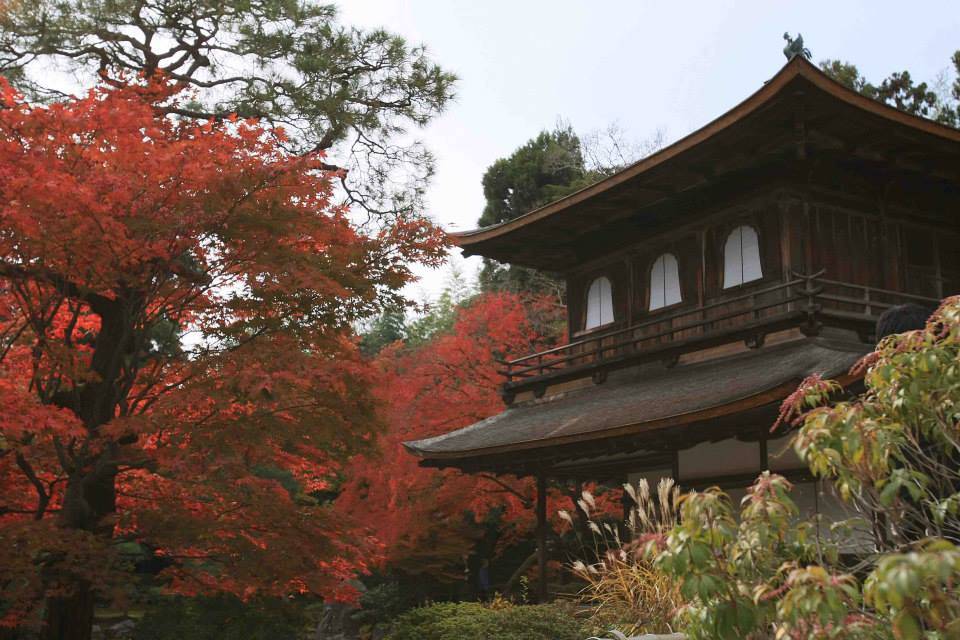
{"x":668,"y":64}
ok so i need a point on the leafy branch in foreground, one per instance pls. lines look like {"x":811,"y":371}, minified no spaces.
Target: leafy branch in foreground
{"x":892,"y":454}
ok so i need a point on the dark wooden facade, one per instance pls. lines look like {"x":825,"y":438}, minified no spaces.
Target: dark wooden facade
{"x":849,"y":258}
{"x":855,"y":242}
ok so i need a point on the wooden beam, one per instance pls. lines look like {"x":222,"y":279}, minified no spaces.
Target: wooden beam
{"x":542,"y":537}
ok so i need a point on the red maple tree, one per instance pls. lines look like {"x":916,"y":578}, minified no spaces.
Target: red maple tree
{"x":176,"y":354}
{"x":427,"y":519}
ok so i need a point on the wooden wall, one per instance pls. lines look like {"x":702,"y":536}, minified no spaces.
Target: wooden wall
{"x":855,"y":242}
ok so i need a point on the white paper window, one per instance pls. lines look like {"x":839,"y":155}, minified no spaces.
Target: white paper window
{"x":599,"y":303}
{"x":741,"y":257}
{"x":664,"y":282}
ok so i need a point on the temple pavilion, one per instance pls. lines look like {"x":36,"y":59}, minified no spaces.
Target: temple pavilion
{"x":707,"y":280}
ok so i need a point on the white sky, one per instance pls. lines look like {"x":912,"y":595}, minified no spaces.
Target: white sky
{"x":643,"y":64}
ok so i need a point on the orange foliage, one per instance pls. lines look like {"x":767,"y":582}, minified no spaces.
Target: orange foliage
{"x":427,"y":519}
{"x":176,"y":352}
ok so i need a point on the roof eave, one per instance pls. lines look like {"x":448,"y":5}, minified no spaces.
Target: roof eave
{"x":797,"y":67}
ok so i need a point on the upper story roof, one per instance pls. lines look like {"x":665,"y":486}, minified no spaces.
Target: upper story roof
{"x":797,"y":114}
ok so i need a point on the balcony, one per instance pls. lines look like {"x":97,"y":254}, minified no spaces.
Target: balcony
{"x":805,"y":302}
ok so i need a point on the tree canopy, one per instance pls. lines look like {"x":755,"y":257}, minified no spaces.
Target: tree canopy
{"x":427,"y":519}
{"x":900,"y":90}
{"x":548,"y":167}
{"x":349,"y":92}
{"x":176,"y":354}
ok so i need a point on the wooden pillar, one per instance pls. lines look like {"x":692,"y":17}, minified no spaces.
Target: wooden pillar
{"x":542,"y":537}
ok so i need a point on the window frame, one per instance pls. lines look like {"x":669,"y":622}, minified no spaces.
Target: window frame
{"x":723,"y":258}
{"x":649,"y":296}
{"x":586,"y":306}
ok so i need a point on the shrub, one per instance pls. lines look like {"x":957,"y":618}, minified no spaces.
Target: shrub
{"x":895,"y":449}
{"x":221,"y":618}
{"x":892,"y":453}
{"x":733,"y":575}
{"x":379,"y":604}
{"x":473,"y":621}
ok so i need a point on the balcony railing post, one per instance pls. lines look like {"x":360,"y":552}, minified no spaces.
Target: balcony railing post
{"x":810,"y":291}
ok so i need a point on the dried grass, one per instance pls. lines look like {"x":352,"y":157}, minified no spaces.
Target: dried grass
{"x":624,"y":591}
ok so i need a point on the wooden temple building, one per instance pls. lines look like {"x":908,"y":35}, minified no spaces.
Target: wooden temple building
{"x":707,"y":280}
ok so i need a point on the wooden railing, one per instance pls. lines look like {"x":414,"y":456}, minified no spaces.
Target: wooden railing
{"x":804,"y":301}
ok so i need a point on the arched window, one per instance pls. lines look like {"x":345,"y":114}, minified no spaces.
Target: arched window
{"x":599,"y":303}
{"x":741,"y":257}
{"x":664,"y":282}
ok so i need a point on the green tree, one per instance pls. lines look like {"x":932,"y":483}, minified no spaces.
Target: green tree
{"x":389,"y":327}
{"x":439,"y":316}
{"x":344,"y":91}
{"x":900,"y":90}
{"x":550,"y":166}
{"x":546,"y":168}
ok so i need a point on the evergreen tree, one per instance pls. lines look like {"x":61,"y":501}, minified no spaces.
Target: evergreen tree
{"x":440,"y":315}
{"x":546,"y":168}
{"x":550,"y":166}
{"x":389,"y":327}
{"x":347,"y":92}
{"x":901,"y":91}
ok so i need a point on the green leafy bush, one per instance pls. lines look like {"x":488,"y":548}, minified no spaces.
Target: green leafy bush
{"x":381,"y":603}
{"x":893,"y":453}
{"x":472,"y":621}
{"x":221,"y":618}
{"x":745,"y":579}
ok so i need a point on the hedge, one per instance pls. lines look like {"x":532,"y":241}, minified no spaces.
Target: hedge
{"x":472,"y":621}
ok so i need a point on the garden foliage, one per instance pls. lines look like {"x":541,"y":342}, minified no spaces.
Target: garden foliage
{"x":622,"y":587}
{"x":457,"y":621}
{"x":349,"y":92}
{"x":891,"y":453}
{"x":428,"y":520}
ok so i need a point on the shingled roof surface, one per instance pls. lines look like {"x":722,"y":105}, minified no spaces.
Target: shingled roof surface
{"x":649,"y":398}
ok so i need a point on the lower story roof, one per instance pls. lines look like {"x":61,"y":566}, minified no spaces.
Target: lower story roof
{"x":645,"y":400}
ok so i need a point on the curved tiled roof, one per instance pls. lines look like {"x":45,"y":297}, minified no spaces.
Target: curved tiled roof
{"x":647,"y":399}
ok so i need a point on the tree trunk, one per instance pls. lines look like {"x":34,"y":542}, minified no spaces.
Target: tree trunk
{"x":70,"y":618}
{"x":515,"y":576}
{"x":88,"y":501}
